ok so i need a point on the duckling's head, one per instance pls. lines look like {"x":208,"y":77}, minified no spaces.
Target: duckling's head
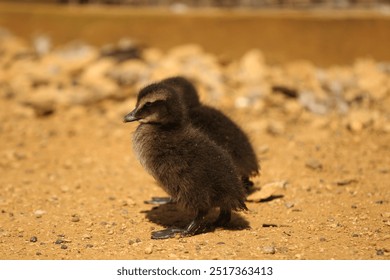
{"x":157,"y":104}
{"x":185,"y":89}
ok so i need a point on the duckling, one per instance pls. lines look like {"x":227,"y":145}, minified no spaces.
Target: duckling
{"x":220,"y":128}
{"x":197,"y":173}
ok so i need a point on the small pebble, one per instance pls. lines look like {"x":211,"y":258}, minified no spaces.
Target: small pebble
{"x":149,"y":250}
{"x":38,"y":253}
{"x":289,"y":204}
{"x":59,"y":241}
{"x":39,"y":213}
{"x":380,"y":252}
{"x":137,"y":240}
{"x":64,"y":247}
{"x":344,"y":182}
{"x":75,"y":219}
{"x":386,"y":215}
{"x":33,"y":239}
{"x":313,"y":164}
{"x":276,"y":128}
{"x":89,"y":246}
{"x":86,"y":236}
{"x":322,"y":239}
{"x":269,"y":250}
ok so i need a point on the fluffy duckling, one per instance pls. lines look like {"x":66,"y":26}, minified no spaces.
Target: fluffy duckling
{"x":197,"y":173}
{"x":220,"y":128}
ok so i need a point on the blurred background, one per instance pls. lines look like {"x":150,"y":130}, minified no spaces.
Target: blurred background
{"x":327,"y":54}
{"x":228,"y":3}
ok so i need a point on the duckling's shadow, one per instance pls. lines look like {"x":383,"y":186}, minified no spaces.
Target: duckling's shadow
{"x":170,"y":215}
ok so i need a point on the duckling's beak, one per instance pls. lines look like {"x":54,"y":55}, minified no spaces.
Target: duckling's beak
{"x":130,"y":117}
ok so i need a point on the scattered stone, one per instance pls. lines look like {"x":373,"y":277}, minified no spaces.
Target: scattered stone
{"x":358,"y":120}
{"x":149,"y":250}
{"x":38,"y":253}
{"x":276,"y":128}
{"x":75,"y":219}
{"x":313,"y":164}
{"x":33,"y":239}
{"x":344,"y":182}
{"x":39,"y":213}
{"x":64,"y":247}
{"x":86,"y":236}
{"x":380,"y":252}
{"x":322,"y":239}
{"x":263,"y":149}
{"x":59,"y":241}
{"x":268,"y":250}
{"x":137,"y":240}
{"x":289,"y":204}
{"x":270,"y":225}
{"x":89,"y":245}
{"x":386,"y":215}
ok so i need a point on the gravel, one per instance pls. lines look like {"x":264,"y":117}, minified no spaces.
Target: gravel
{"x":33,"y":239}
{"x":80,"y":74}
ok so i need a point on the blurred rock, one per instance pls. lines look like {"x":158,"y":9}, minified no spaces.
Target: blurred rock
{"x":42,"y":44}
{"x":276,"y":128}
{"x":95,"y":78}
{"x":357,"y":120}
{"x":313,"y":164}
{"x":130,"y":72}
{"x":315,"y":105}
{"x":71,"y":58}
{"x":125,"y":49}
{"x":371,"y":79}
{"x":78,"y":74}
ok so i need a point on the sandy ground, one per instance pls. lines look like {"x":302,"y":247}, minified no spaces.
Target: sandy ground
{"x":71,"y":188}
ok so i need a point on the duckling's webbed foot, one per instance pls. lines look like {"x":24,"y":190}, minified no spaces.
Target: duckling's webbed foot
{"x":198,"y":225}
{"x":159,"y":200}
{"x":166,"y":233}
{"x":223,"y":218}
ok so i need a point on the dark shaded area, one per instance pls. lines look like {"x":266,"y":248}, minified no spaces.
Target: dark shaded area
{"x":169,"y":215}
{"x":288,"y":92}
{"x":272,"y":197}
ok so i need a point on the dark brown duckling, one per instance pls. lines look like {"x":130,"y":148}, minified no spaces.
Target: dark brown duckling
{"x":197,"y":173}
{"x":220,"y":128}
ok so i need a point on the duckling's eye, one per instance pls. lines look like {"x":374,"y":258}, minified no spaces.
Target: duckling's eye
{"x":148,"y":104}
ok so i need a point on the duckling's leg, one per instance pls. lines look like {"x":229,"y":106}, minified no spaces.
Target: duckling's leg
{"x":223,"y":218}
{"x":197,"y":225}
{"x":159,"y":200}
